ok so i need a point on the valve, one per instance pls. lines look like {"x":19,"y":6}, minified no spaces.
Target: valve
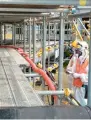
{"x":49,"y":48}
{"x":39,"y":54}
{"x":49,"y":69}
{"x":39,"y":65}
{"x":55,"y":65}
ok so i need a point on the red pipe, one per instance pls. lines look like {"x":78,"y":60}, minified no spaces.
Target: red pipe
{"x":36,"y":69}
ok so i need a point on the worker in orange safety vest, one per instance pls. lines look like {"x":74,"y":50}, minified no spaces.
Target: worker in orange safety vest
{"x":80,"y":72}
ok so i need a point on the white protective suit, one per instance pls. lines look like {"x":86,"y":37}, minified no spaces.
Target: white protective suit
{"x":79,"y":93}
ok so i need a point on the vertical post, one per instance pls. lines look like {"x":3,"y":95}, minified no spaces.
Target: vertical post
{"x":19,"y":32}
{"x":34,"y":41}
{"x":4,"y":33}
{"x":29,"y":40}
{"x":29,"y":28}
{"x":54,"y":40}
{"x":89,"y":75}
{"x":0,"y":34}
{"x":61,"y":51}
{"x":15,"y":34}
{"x":48,"y":43}
{"x":43,"y":50}
{"x":44,"y":42}
{"x":24,"y":39}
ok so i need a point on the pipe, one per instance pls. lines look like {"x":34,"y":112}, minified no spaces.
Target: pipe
{"x":24,"y":38}
{"x":50,"y":92}
{"x":61,"y":52}
{"x":31,"y":75}
{"x":34,"y":40}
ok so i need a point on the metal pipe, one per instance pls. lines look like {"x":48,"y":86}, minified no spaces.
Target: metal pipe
{"x":19,"y":32}
{"x":1,"y":34}
{"x":15,"y":34}
{"x":32,"y":75}
{"x":4,"y":33}
{"x":54,"y":40}
{"x":89,"y":75}
{"x":29,"y":39}
{"x":44,"y":42}
{"x":24,"y":39}
{"x":48,"y":43}
{"x":34,"y":41}
{"x":50,"y":92}
{"x":61,"y":52}
{"x":83,"y":26}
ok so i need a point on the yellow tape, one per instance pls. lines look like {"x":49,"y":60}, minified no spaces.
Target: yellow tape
{"x":82,"y":2}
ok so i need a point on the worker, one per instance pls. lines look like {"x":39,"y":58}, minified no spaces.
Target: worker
{"x":80,"y":72}
{"x":70,"y":67}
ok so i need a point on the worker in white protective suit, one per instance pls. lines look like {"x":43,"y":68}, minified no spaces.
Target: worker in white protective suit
{"x":80,"y":72}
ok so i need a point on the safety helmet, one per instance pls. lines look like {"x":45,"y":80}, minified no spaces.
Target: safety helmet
{"x":79,"y":44}
{"x":81,"y":47}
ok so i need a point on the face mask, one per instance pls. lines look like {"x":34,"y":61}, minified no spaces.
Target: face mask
{"x":77,"y":51}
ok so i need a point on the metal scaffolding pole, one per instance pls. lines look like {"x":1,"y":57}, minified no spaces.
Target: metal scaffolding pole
{"x":19,"y":32}
{"x":4,"y":33}
{"x":54,"y":39}
{"x":29,"y":39}
{"x":44,"y":42}
{"x":24,"y":39}
{"x":48,"y":43}
{"x":89,"y":75}
{"x":61,"y":51}
{"x":15,"y":34}
{"x":43,"y":48}
{"x":1,"y":33}
{"x":34,"y":40}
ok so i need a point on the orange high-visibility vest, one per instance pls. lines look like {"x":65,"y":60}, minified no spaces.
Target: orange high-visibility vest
{"x":80,"y":68}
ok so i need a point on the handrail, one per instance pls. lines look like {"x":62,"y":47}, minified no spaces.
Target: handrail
{"x":34,"y":67}
{"x":83,"y":26}
{"x":77,"y":31}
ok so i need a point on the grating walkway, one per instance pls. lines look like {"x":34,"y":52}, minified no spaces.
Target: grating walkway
{"x":14,"y":87}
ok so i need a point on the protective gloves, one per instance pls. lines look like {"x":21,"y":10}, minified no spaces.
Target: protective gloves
{"x":76,"y":75}
{"x":84,"y":77}
{"x":69,"y":70}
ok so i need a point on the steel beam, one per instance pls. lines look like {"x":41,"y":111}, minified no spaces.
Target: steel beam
{"x":46,"y":2}
{"x":27,"y":10}
{"x":80,"y":15}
